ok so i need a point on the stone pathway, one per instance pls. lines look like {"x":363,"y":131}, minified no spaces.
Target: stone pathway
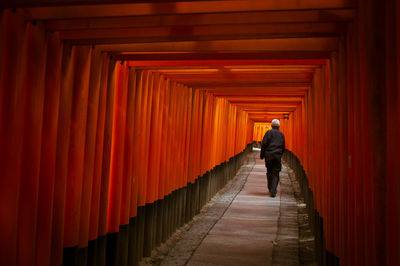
{"x":243,"y":225}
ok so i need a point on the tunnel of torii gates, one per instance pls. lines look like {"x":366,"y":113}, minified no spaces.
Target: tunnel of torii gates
{"x":113,"y":113}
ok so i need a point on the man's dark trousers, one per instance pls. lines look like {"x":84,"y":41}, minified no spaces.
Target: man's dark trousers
{"x":274,"y":166}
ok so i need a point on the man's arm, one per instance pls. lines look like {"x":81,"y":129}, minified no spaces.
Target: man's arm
{"x":264,"y":144}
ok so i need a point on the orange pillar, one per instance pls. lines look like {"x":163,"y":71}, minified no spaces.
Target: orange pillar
{"x":48,"y":150}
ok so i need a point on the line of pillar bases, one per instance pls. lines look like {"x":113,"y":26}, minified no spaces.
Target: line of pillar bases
{"x":155,"y":222}
{"x":323,"y":256}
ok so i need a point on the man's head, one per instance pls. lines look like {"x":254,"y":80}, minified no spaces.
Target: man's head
{"x":275,"y":123}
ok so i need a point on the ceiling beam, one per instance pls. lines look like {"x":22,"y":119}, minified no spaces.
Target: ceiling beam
{"x":74,"y":10}
{"x":244,"y":85}
{"x":215,"y":19}
{"x":320,"y":44}
{"x":201,"y":33}
{"x":223,"y":59}
{"x":233,"y":69}
{"x":263,"y":99}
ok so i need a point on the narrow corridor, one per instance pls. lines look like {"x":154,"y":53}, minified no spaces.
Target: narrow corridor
{"x":120,"y":120}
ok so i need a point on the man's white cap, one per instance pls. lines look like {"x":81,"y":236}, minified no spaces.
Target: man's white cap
{"x":275,"y":123}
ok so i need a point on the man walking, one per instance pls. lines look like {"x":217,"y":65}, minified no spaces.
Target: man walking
{"x":272,"y":148}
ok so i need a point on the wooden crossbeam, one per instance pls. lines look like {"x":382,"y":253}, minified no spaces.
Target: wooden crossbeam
{"x":320,"y":44}
{"x":201,"y":33}
{"x":75,"y":9}
{"x":214,"y":19}
{"x":185,"y":60}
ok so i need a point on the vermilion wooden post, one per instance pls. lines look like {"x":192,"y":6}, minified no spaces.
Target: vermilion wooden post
{"x":210,"y":131}
{"x":199,"y":135}
{"x":48,"y":150}
{"x":189,"y":110}
{"x":393,"y":129}
{"x":148,"y":88}
{"x":11,"y":132}
{"x":217,"y":133}
{"x":177,"y":138}
{"x":168,"y":145}
{"x":153,"y":140}
{"x":193,"y":139}
{"x":331,"y":131}
{"x":158,"y":137}
{"x":76,"y":150}
{"x":344,"y":177}
{"x":143,"y":166}
{"x":98,"y":160}
{"x":199,"y":130}
{"x":189,"y":143}
{"x":90,"y":146}
{"x":372,"y":103}
{"x":164,"y":142}
{"x":173,"y":147}
{"x":117,"y":148}
{"x":137,"y":140}
{"x":207,"y":133}
{"x":358,"y":255}
{"x":350,"y":239}
{"x":188,"y":132}
{"x":63,"y":136}
{"x":204,"y":135}
{"x":185,"y":134}
{"x":33,"y":82}
{"x":108,"y":126}
{"x":181,"y":132}
{"x":127,"y":174}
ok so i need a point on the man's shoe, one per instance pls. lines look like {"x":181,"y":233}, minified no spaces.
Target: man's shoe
{"x":273,"y":195}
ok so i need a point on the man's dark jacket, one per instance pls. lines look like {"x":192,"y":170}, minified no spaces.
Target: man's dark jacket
{"x":273,"y":145}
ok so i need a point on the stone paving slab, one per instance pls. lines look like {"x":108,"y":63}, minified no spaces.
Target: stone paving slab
{"x":228,"y":250}
{"x":245,"y":227}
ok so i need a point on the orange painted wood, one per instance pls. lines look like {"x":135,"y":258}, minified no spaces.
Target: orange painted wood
{"x":63,"y":137}
{"x":168,"y":145}
{"x":164,"y":142}
{"x":173,"y":141}
{"x":11,"y":132}
{"x":392,"y":172}
{"x":142,"y":135}
{"x":161,"y":137}
{"x":200,"y":33}
{"x":117,"y":148}
{"x":127,"y":174}
{"x":98,"y":160}
{"x":137,"y":140}
{"x":32,"y":76}
{"x":198,"y":163}
{"x":106,"y":161}
{"x":315,"y":44}
{"x":193,"y":138}
{"x":188,"y":133}
{"x":224,"y":59}
{"x":226,"y":18}
{"x":76,"y":152}
{"x":48,"y":150}
{"x":90,"y":146}
{"x":154,"y":145}
{"x":149,"y":88}
{"x":142,"y":9}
